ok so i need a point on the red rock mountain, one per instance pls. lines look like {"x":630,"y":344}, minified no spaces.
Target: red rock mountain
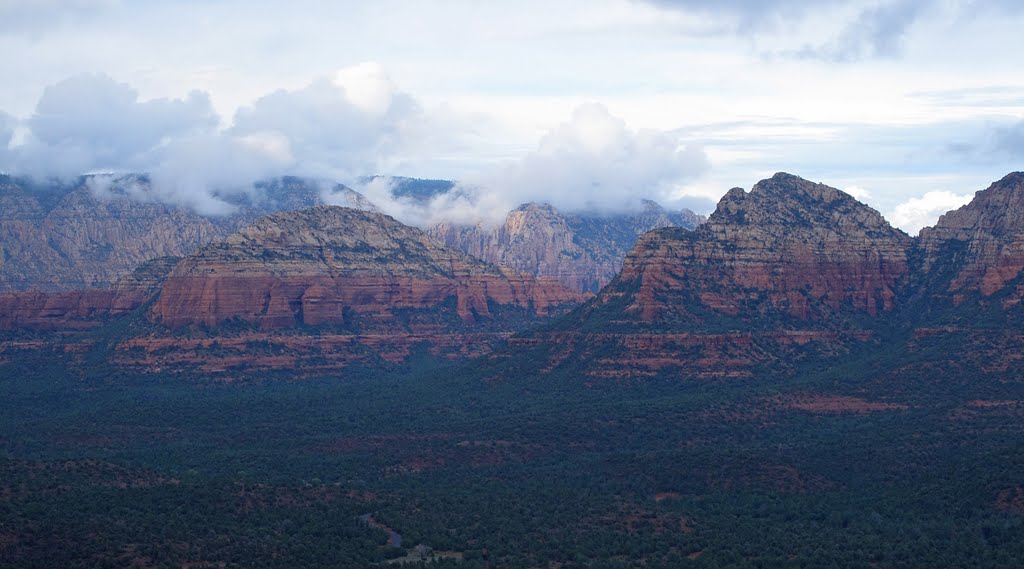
{"x":584,"y":252}
{"x":789,"y":273}
{"x":94,"y":230}
{"x":788,"y":249}
{"x":311,"y":291}
{"x":790,"y":270}
{"x":980,"y":247}
{"x":315,"y":266}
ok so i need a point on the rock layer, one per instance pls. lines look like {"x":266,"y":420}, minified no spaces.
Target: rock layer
{"x":979,"y":248}
{"x":86,"y":308}
{"x":338,"y":266}
{"x":788,"y":249}
{"x":92,"y":231}
{"x":582,"y":251}
{"x":790,"y":271}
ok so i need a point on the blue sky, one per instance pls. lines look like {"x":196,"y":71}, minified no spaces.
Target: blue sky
{"x":910,"y":105}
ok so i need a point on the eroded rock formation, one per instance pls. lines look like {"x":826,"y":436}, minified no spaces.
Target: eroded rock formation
{"x":582,"y":251}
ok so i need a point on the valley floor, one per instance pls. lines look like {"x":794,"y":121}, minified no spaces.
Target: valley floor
{"x":838,"y":467}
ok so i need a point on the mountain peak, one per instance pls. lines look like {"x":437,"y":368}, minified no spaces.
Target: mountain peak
{"x":996,"y":209}
{"x":317,"y":265}
{"x":990,"y":232}
{"x":785,"y":201}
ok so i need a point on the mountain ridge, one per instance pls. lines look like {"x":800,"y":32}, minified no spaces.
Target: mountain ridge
{"x":789,"y":272}
{"x":583,"y":251}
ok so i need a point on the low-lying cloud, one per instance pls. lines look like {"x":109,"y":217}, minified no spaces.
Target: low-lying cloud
{"x":91,"y":122}
{"x":593,"y":162}
{"x":353,"y":123}
{"x":339,"y":127}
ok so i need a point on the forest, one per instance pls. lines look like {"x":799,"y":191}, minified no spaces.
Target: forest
{"x":855,"y":462}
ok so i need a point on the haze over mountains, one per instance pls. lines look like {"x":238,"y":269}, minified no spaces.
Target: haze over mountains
{"x":88,"y":232}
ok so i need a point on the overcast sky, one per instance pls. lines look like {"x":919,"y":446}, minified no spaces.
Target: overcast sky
{"x":910,"y":105}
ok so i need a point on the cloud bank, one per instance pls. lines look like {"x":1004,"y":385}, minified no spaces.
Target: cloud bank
{"x":593,"y":162}
{"x":341,"y":127}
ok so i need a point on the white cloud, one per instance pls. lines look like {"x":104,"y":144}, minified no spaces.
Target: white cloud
{"x":92,"y":122}
{"x":343,"y":126}
{"x":593,"y":161}
{"x":858,"y":192}
{"x":367,"y":86}
{"x":917,"y":213}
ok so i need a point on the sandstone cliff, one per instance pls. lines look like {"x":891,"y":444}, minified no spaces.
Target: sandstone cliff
{"x":335,"y":266}
{"x":979,"y":248}
{"x":789,"y":249}
{"x":66,"y":236}
{"x":791,"y":270}
{"x":582,"y":251}
{"x":66,"y":311}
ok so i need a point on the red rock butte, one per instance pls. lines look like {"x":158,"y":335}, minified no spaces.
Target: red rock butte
{"x":319,"y":265}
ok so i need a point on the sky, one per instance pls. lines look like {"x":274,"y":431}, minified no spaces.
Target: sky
{"x":909,"y":105}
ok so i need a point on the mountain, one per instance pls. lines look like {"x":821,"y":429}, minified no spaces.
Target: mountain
{"x":791,"y":271}
{"x":91,"y":231}
{"x":311,"y":290}
{"x":582,"y":251}
{"x":308,"y":267}
{"x":979,"y":248}
{"x":83,"y":309}
{"x":420,"y":190}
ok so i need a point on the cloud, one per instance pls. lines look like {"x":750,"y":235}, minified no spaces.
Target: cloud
{"x":749,"y":15}
{"x":916,"y":213}
{"x":592,"y":162}
{"x":877,"y":32}
{"x":7,"y":126}
{"x":855,"y":29}
{"x":859,"y":193}
{"x":36,"y":16}
{"x":1009,"y":140}
{"x":596,"y":161}
{"x":91,"y":122}
{"x":339,"y":126}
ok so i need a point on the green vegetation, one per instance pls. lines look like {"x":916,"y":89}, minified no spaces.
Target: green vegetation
{"x":492,"y":463}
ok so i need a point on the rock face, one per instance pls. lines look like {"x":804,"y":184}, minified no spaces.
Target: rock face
{"x":311,"y":291}
{"x":86,"y":308}
{"x":789,"y":249}
{"x":338,"y":266}
{"x":88,"y":234}
{"x":583,"y":252}
{"x":979,"y":248}
{"x":789,"y":271}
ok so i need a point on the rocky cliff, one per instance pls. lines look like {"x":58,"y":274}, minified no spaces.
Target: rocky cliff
{"x":329,"y":265}
{"x":787,"y":250}
{"x":789,"y":271}
{"x":582,"y":251}
{"x":83,"y":309}
{"x":979,"y":248}
{"x":90,"y":232}
{"x":313,"y":291}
